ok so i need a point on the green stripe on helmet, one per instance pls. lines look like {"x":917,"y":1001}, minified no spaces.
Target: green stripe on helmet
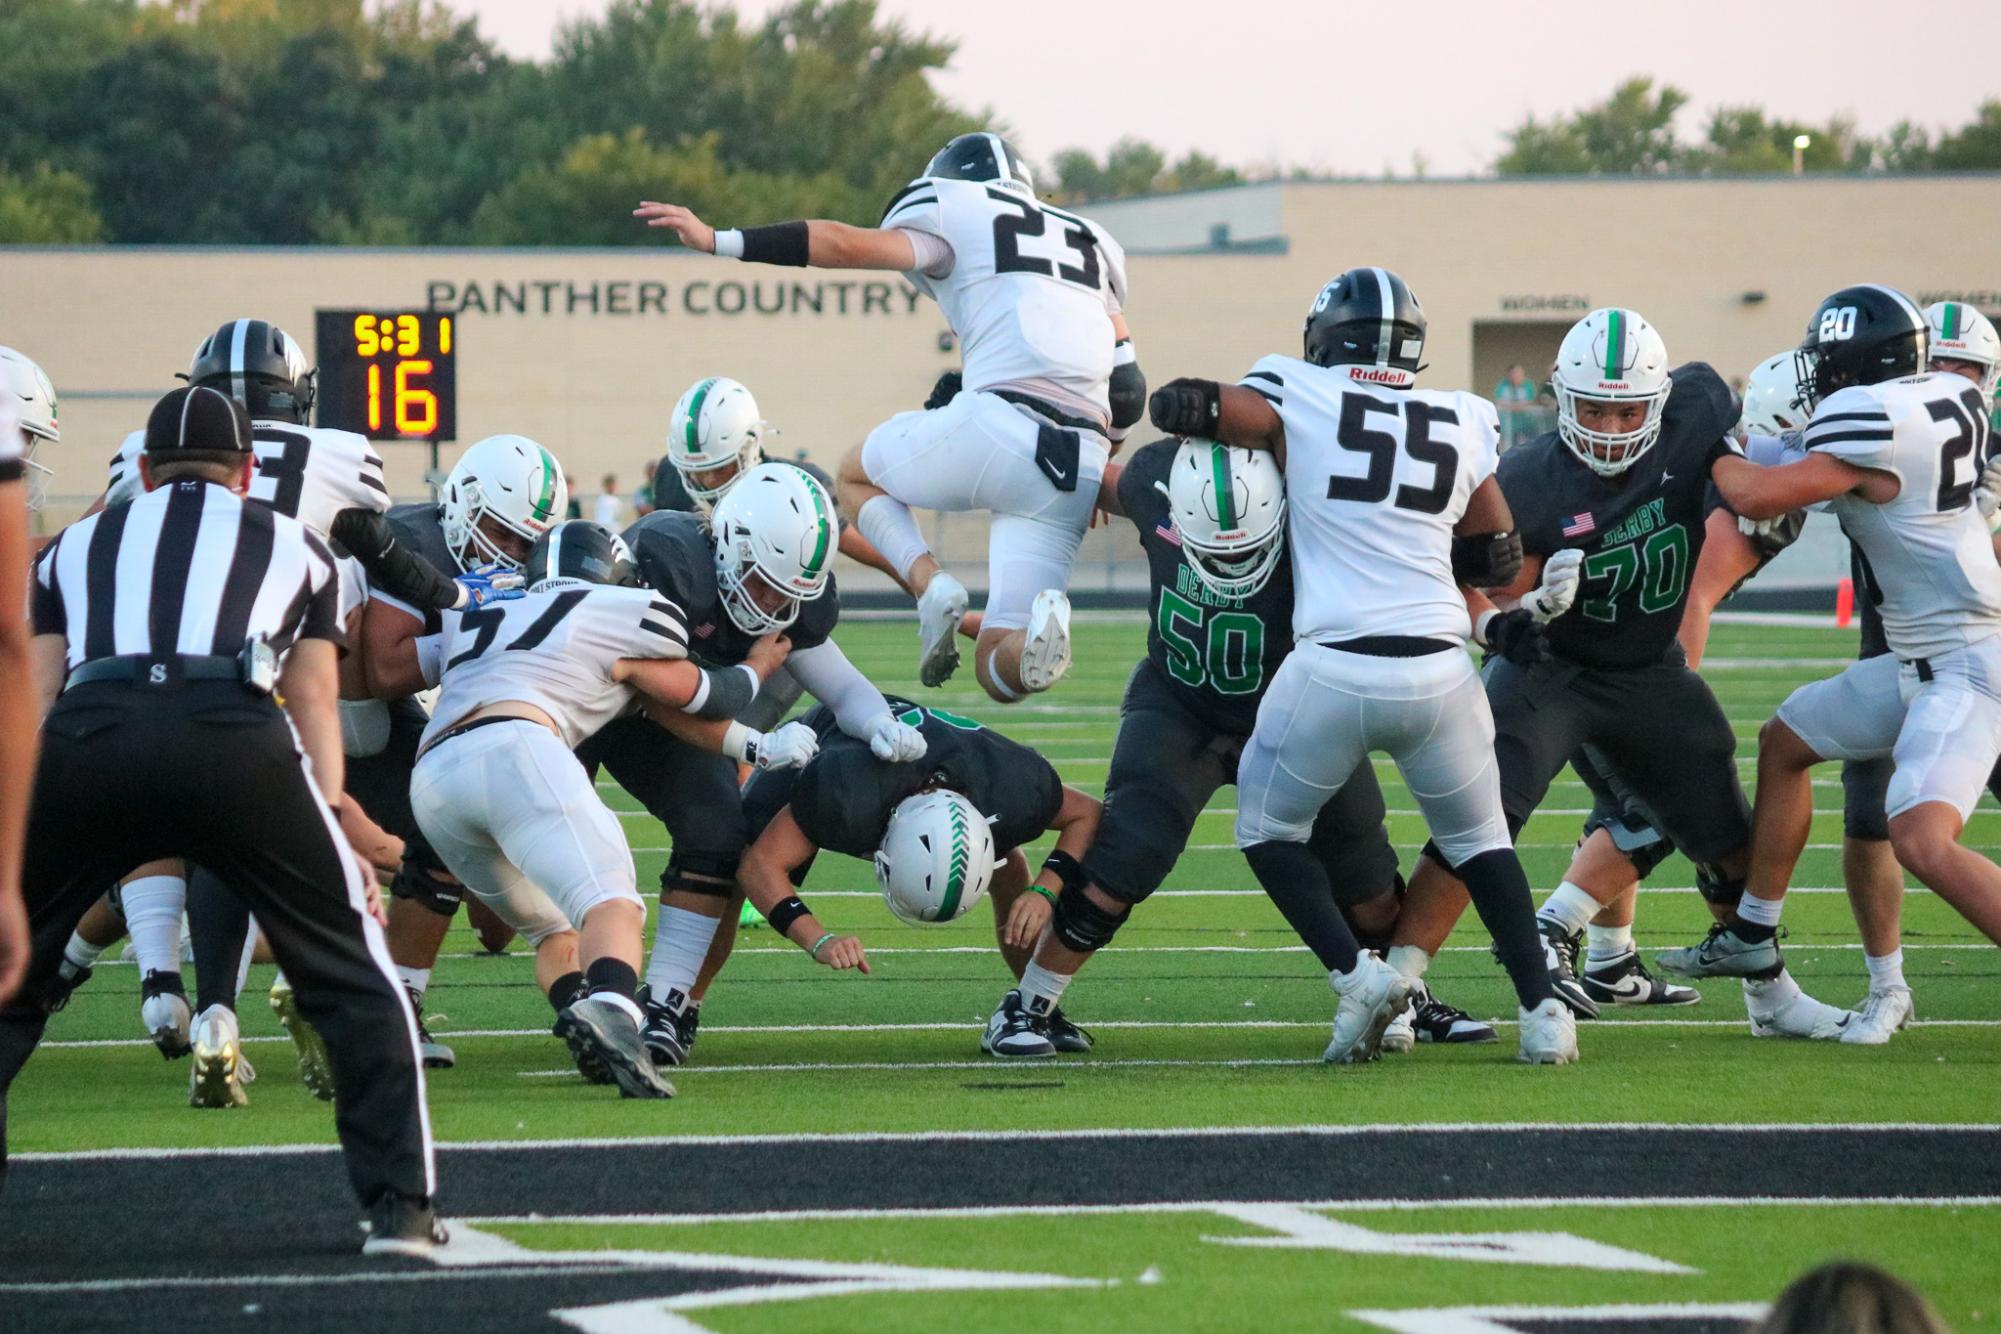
{"x":955,"y":875}
{"x":1226,"y":498}
{"x":1951,"y":323}
{"x":693,"y":435}
{"x":1615,"y":344}
{"x":545,"y":502}
{"x":818,"y":559}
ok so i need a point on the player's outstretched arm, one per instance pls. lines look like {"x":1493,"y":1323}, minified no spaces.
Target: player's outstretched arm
{"x":859,"y":707}
{"x":1210,"y":410}
{"x":766,"y":876}
{"x":817,"y":242}
{"x":1076,"y":825}
{"x":1766,"y":493}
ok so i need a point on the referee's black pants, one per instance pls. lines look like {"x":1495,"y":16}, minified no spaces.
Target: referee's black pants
{"x":210,"y":772}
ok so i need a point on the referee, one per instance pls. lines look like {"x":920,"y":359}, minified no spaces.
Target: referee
{"x":161,"y":623}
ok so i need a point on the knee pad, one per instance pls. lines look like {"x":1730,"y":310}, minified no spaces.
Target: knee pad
{"x":1642,"y":844}
{"x":1717,"y":887}
{"x":415,"y":884}
{"x":1082,"y":925}
{"x":718,"y":870}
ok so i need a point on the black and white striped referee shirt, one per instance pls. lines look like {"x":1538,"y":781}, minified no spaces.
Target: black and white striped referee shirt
{"x":186,"y":570}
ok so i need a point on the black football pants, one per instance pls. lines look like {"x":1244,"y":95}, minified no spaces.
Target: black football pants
{"x":208,"y":771}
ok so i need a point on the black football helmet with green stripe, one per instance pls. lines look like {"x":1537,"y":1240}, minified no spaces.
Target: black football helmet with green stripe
{"x":1864,"y":334}
{"x":775,"y":535}
{"x":580,"y":549}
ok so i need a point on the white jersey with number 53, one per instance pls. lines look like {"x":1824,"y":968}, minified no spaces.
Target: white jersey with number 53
{"x":1375,"y":480}
{"x":1029,"y":289}
{"x":553,"y":648}
{"x":1929,"y":557}
{"x":305,"y":472}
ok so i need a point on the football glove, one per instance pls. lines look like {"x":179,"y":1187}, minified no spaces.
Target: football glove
{"x":792,"y":746}
{"x":1987,"y":495}
{"x":893,"y":742}
{"x":1560,"y":575}
{"x":1518,"y":636}
{"x":488,"y":583}
{"x":1187,"y":407}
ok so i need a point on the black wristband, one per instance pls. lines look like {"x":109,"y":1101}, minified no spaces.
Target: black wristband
{"x":391,"y":566}
{"x":1068,"y":870}
{"x":780,"y":243}
{"x":785,"y":912}
{"x":1187,"y":407}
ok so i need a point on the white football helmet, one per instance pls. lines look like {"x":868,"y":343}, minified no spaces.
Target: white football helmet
{"x":1773,"y":403}
{"x":776,"y":525}
{"x":1611,"y":355}
{"x":715,"y":424}
{"x":1229,"y":507}
{"x":1961,"y":333}
{"x":31,"y":405}
{"x":936,"y":859}
{"x":511,"y":480}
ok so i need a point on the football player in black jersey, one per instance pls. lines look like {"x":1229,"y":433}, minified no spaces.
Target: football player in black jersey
{"x":846,"y":800}
{"x":1212,"y":522}
{"x":1625,"y":480}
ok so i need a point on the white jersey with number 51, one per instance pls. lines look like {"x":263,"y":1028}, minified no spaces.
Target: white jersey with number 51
{"x":1029,"y":289}
{"x":1375,"y":479}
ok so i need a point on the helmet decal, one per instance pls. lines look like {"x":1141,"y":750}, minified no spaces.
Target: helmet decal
{"x":545,"y":500}
{"x":1226,"y":500}
{"x":816,"y":561}
{"x":955,"y":874}
{"x":1615,"y":344}
{"x":695,"y":414}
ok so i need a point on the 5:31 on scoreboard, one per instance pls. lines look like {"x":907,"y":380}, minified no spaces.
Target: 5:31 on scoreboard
{"x":388,"y":374}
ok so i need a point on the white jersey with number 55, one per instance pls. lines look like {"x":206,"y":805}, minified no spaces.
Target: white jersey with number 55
{"x":553,"y":648}
{"x":1029,"y":289}
{"x":1928,"y":555}
{"x":1375,"y":480}
{"x":307,"y":473}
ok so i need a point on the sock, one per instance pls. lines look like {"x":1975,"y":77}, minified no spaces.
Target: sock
{"x":888,"y":523}
{"x":219,"y":925}
{"x":1294,"y":879}
{"x":1041,"y":989}
{"x":1607,"y":942}
{"x":566,"y":991}
{"x":1500,"y":894}
{"x":416,"y":981}
{"x":680,"y":942}
{"x":1766,"y":995}
{"x":1886,"y":971}
{"x":249,"y":954}
{"x":1410,"y":960}
{"x":1570,"y":907}
{"x":1755,"y":912}
{"x":78,"y":955}
{"x":153,"y":916}
{"x":613,"y":977}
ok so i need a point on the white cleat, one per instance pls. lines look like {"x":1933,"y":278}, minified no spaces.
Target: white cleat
{"x":939,"y":612}
{"x":1549,"y":1034}
{"x":1401,"y":1035}
{"x":163,"y":1008}
{"x":1797,"y":1016}
{"x":1045,"y":653}
{"x":217,"y":1077}
{"x":1883,"y":1014}
{"x":1372,"y":995}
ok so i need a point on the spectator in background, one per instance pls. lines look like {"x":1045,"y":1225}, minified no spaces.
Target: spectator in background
{"x":608,"y":509}
{"x":1515,"y":402}
{"x":575,"y":509}
{"x":1849,"y":1298}
{"x":642,"y":497}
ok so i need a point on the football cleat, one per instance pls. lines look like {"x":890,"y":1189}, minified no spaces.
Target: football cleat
{"x":218,"y":1075}
{"x":1798,"y":1016}
{"x":1883,"y":1014}
{"x":64,"y":985}
{"x":669,"y":1030}
{"x":436,"y":1055}
{"x":1401,"y":1035}
{"x":1045,"y":653}
{"x":1014,"y":1031}
{"x":1448,"y":1025}
{"x":1066,"y":1036}
{"x":1560,"y":954}
{"x":939,"y":612}
{"x":596,"y":1027}
{"x":1549,"y":1035}
{"x":315,"y":1070}
{"x":1724,"y":953}
{"x":1625,"y":981}
{"x":399,"y":1225}
{"x":1372,"y":994}
{"x":748,"y":915}
{"x":163,"y":1008}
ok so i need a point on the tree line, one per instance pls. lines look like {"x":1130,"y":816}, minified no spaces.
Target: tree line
{"x":298,"y":122}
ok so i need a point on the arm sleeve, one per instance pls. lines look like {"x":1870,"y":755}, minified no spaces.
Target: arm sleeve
{"x":45,"y":604}
{"x":405,"y":576}
{"x":830,"y":678}
{"x":1855,"y":428}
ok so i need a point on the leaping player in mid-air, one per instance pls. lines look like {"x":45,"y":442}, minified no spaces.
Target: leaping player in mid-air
{"x":1035,"y":297}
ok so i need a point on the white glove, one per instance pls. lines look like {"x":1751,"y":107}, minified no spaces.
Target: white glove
{"x":894,"y":742}
{"x":1987,"y":494}
{"x":1755,"y":528}
{"x":792,"y":746}
{"x":1560,"y":575}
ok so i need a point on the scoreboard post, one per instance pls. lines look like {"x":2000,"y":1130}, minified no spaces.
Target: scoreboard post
{"x":389,"y":374}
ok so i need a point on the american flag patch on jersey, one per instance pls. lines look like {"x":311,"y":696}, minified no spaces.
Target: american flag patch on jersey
{"x":704,"y":631}
{"x":1166,"y":533}
{"x":1577,"y":525}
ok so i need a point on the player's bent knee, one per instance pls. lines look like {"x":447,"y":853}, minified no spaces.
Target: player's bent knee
{"x":583,"y":900}
{"x":1085,"y":925}
{"x":1778,"y":740}
{"x":711,"y":874}
{"x":415,"y":884}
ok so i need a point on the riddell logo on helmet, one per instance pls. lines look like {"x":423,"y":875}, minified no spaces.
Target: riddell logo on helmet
{"x":1615,"y":384}
{"x":1378,"y":375}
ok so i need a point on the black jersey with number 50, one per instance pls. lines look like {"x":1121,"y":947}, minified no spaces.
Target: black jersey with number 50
{"x":1640,"y":531}
{"x":1218,"y":655}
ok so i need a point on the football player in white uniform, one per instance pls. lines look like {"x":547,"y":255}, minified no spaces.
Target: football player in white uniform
{"x":1035,"y":296}
{"x":1394,"y":511}
{"x":503,"y":799}
{"x":1896,"y":450}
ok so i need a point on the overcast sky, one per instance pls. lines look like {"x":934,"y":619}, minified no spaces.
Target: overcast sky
{"x":1357,"y":88}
